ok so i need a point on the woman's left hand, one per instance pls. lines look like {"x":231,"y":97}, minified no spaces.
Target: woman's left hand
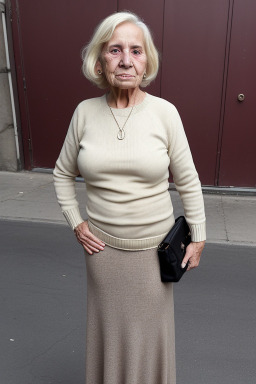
{"x":193,"y":254}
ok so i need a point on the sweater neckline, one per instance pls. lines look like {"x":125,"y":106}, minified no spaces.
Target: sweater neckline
{"x":125,"y":111}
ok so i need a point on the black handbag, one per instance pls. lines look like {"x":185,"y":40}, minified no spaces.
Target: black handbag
{"x":172,"y":249}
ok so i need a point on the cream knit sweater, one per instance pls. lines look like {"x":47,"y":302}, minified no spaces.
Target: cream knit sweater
{"x":129,"y":206}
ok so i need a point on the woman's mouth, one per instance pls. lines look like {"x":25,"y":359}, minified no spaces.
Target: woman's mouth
{"x":124,"y":76}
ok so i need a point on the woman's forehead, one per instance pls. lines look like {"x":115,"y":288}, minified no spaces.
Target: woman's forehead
{"x":127,"y":32}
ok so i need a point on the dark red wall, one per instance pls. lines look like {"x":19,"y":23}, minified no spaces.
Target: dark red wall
{"x":208,"y":57}
{"x":238,"y":152}
{"x":192,"y":75}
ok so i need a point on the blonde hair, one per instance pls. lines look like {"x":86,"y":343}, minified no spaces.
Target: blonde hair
{"x":103,"y":33}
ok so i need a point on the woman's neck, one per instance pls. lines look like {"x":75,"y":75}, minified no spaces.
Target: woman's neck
{"x":123,"y":98}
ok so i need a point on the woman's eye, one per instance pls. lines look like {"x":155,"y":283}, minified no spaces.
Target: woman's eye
{"x":114,"y":50}
{"x":136,"y":52}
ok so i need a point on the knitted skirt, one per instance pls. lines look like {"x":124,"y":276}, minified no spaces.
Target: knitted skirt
{"x":130,"y":319}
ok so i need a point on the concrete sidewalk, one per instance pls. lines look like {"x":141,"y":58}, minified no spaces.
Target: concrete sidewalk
{"x":30,"y":196}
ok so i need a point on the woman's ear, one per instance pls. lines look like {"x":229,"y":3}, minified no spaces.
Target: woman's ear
{"x":98,"y":68}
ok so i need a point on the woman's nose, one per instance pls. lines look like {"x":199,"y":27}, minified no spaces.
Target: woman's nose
{"x":126,"y":59}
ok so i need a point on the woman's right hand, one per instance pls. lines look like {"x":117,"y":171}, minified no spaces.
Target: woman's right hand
{"x":90,"y":242}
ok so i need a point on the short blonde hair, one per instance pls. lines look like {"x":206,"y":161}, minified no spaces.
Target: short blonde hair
{"x":103,"y":33}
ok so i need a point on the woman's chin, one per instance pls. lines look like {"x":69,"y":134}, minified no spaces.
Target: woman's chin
{"x":125,"y":84}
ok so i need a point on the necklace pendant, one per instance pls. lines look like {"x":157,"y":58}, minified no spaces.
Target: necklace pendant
{"x":121,"y":134}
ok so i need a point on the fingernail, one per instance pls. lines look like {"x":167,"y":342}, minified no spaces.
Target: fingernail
{"x":183,"y":265}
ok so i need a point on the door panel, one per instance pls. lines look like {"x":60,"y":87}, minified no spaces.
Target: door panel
{"x":238,"y":154}
{"x":192,"y":73}
{"x":52,"y":34}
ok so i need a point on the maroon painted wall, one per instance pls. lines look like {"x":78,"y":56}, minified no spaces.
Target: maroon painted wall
{"x":192,"y":75}
{"x":203,"y":68}
{"x":238,"y":153}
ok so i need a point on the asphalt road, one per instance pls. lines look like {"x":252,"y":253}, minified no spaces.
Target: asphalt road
{"x":43,"y":309}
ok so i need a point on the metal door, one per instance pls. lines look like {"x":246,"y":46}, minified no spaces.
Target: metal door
{"x":48,"y":38}
{"x":192,"y":75}
{"x":197,"y":75}
{"x":238,"y":154}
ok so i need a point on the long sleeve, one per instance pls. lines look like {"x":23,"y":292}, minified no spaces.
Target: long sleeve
{"x":187,"y":181}
{"x":66,"y":171}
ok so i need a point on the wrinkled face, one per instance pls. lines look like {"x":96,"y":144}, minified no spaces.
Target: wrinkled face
{"x":123,"y":58}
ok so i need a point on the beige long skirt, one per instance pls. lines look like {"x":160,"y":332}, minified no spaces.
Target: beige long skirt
{"x":130,"y":319}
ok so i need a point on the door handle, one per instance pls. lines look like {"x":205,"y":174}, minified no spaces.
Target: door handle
{"x":241,"y":97}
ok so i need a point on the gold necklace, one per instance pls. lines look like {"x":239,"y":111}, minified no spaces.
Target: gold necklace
{"x":121,"y":133}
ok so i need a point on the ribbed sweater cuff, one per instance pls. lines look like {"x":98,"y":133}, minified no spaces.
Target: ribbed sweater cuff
{"x":73,"y":217}
{"x":198,"y":232}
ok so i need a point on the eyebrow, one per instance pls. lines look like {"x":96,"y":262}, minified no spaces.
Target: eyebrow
{"x":120,"y":46}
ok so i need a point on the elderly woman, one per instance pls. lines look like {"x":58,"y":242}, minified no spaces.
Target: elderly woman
{"x":124,"y":144}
